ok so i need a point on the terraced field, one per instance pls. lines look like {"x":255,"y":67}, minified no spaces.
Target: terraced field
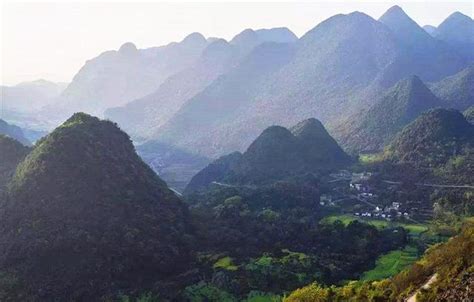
{"x":391,"y":263}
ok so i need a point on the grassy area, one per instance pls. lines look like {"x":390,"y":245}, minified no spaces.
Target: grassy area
{"x":366,"y":159}
{"x":392,"y":263}
{"x":225,"y":263}
{"x":414,"y":229}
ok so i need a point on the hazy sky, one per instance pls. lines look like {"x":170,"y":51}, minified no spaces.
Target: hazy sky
{"x":53,"y":40}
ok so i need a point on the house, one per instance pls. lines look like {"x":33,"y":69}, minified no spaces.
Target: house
{"x":359,"y":187}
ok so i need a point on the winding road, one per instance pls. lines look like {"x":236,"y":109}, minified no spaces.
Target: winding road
{"x":427,"y":285}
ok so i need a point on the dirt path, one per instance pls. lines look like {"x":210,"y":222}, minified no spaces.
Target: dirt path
{"x":425,"y":286}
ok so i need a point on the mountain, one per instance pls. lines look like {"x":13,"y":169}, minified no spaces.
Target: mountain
{"x":142,"y":117}
{"x":430,"y":29}
{"x":215,"y":171}
{"x":13,"y":132}
{"x":317,"y":146}
{"x":422,"y":54}
{"x":12,"y":153}
{"x":373,"y":129}
{"x":469,"y":114}
{"x":405,"y":29}
{"x":30,"y":96}
{"x":249,"y":38}
{"x":277,"y":153}
{"x":278,"y":35}
{"x":115,"y":78}
{"x":86,"y":218}
{"x":222,"y":102}
{"x":433,"y":138}
{"x":338,"y":68}
{"x":458,"y":31}
{"x":315,"y":77}
{"x":457,"y":91}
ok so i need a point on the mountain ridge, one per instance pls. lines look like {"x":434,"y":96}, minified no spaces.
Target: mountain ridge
{"x":83,"y":199}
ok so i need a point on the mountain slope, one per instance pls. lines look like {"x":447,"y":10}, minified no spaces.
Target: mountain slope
{"x":249,"y":38}
{"x":433,"y":138}
{"x":469,"y":114}
{"x":458,"y":31}
{"x":222,"y":102}
{"x":13,"y":132}
{"x":30,"y":96}
{"x":430,"y":29}
{"x":457,"y":91}
{"x":422,"y":54}
{"x":11,"y":153}
{"x":319,"y":150}
{"x":373,"y":129}
{"x":144,"y":116}
{"x":216,"y":171}
{"x":115,"y":78}
{"x":86,"y":218}
{"x":317,"y":79}
{"x":338,"y":68}
{"x":277,"y":153}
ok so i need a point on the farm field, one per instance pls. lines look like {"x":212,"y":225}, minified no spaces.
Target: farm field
{"x":414,"y":229}
{"x":391,"y":263}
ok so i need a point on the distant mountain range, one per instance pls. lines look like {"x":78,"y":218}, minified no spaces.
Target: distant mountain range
{"x":457,"y":91}
{"x":276,"y":154}
{"x":30,"y":96}
{"x":14,"y":132}
{"x":144,"y":116}
{"x":458,"y":32}
{"x":335,"y":70}
{"x":115,"y":78}
{"x":210,"y":97}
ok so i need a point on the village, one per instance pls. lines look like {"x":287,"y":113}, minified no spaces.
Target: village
{"x":366,"y":195}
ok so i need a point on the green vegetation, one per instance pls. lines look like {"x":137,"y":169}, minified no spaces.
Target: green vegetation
{"x":374,"y":128}
{"x":12,"y":153}
{"x":370,"y":158}
{"x":203,"y":292}
{"x":451,"y":261}
{"x":433,"y":138}
{"x":14,"y":132}
{"x":276,"y":154}
{"x":225,"y":263}
{"x":119,"y":223}
{"x":414,"y":229}
{"x":392,"y":263}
